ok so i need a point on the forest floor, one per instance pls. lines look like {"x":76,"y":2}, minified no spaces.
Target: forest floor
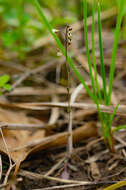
{"x":35,"y":121}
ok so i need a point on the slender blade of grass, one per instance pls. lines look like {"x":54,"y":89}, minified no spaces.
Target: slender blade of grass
{"x":61,"y":47}
{"x":114,"y":51}
{"x":93,"y":52}
{"x":99,"y":97}
{"x":103,"y":74}
{"x":87,"y":47}
{"x":116,"y":186}
{"x":113,"y":114}
{"x":119,"y":128}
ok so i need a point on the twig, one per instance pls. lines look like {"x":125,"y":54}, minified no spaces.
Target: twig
{"x":13,"y":65}
{"x":54,"y":167}
{"x":71,"y":185}
{"x":115,"y":174}
{"x":9,"y":156}
{"x":38,"y":106}
{"x":54,"y":112}
{"x":30,"y":72}
{"x":32,"y":175}
{"x":8,"y":173}
{"x":72,"y":99}
{"x":1,"y":168}
{"x":120,"y":140}
{"x":21,"y":91}
{"x":22,"y":126}
{"x":20,"y":80}
{"x":99,"y":155}
{"x":3,"y":185}
{"x":6,"y":147}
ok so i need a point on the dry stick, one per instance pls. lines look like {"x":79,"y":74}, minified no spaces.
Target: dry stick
{"x":115,"y":174}
{"x":8,"y":173}
{"x":39,"y":106}
{"x":21,"y":91}
{"x":40,"y":176}
{"x":100,"y":155}
{"x":22,"y":126}
{"x":3,"y":185}
{"x":54,"y":113}
{"x":120,"y":140}
{"x":14,"y":65}
{"x":55,"y":167}
{"x":32,"y":175}
{"x":9,"y":156}
{"x":72,"y":99}
{"x":71,"y":185}
{"x":1,"y":168}
{"x":28,"y":73}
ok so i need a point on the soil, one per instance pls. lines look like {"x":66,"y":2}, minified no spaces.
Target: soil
{"x":107,"y":169}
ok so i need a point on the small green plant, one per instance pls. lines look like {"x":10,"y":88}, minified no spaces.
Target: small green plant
{"x":4,"y":83}
{"x":96,"y":95}
{"x":105,"y":119}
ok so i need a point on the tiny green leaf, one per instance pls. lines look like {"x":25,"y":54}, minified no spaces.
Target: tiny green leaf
{"x":7,"y":87}
{"x":3,"y":80}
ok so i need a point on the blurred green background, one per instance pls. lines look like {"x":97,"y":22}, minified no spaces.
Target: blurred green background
{"x":21,"y":26}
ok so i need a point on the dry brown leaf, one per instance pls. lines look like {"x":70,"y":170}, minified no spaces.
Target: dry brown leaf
{"x":58,"y":140}
{"x":20,"y":138}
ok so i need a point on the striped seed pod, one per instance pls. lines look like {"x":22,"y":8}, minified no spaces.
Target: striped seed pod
{"x":68,"y":35}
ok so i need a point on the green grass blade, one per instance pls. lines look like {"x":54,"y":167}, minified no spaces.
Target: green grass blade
{"x":60,"y":45}
{"x":94,"y":66}
{"x":93,"y":52}
{"x":113,"y":114}
{"x":87,"y":47}
{"x":114,"y":51}
{"x":119,"y":128}
{"x":103,"y":75}
{"x":116,"y":186}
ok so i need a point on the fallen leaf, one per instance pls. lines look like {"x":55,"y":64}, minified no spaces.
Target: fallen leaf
{"x":59,"y":140}
{"x":18,"y":138}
